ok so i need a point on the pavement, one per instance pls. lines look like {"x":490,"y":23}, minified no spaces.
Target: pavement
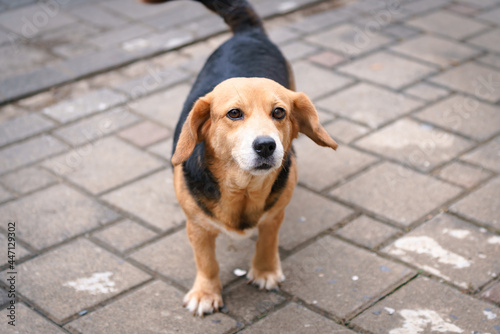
{"x":397,"y":232}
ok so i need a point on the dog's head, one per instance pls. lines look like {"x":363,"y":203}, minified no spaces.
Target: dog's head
{"x":250,"y":121}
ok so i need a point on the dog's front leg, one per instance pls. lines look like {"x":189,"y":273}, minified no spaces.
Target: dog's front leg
{"x":266,"y":266}
{"x":205,"y":295}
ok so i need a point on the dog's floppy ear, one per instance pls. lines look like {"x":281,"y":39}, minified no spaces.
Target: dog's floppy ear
{"x":307,"y":117}
{"x":193,"y":130}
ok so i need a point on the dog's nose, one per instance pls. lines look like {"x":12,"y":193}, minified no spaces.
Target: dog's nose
{"x":264,"y":146}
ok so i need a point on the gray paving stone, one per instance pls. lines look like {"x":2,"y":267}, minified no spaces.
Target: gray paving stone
{"x":178,"y":15}
{"x":479,"y":4}
{"x":451,"y":249}
{"x":327,"y":59}
{"x":427,"y":92}
{"x":8,"y":37}
{"x":400,"y":31}
{"x":27,"y":321}
{"x":136,"y":10}
{"x":447,"y":24}
{"x":162,"y":149}
{"x":98,"y":16}
{"x":90,"y":103}
{"x":492,"y":294}
{"x":492,"y":16}
{"x":464,"y":175}
{"x":297,"y":50}
{"x":464,"y":9}
{"x":307,"y":215}
{"x":482,"y":205}
{"x":145,"y":133}
{"x":367,"y":232}
{"x":90,"y":276}
{"x":54,"y":215}
{"x":19,"y":58}
{"x":387,"y":69}
{"x":282,"y":35}
{"x":413,"y":8}
{"x":396,"y":193}
{"x":173,"y":257}
{"x":28,"y":179}
{"x":124,"y":235}
{"x":71,"y":50}
{"x":73,"y":33}
{"x":338,"y":277}
{"x":20,"y":251}
{"x":489,"y":41}
{"x":464,"y":115}
{"x":322,"y":20}
{"x":490,"y":59}
{"x":487,"y":155}
{"x":4,"y":194}
{"x":154,"y":308}
{"x":29,"y":151}
{"x":420,"y":146}
{"x":369,"y":104}
{"x":295,"y":318}
{"x":345,"y":131}
{"x":96,"y":127}
{"x":424,"y":306}
{"x":119,"y":35}
{"x":206,"y":27}
{"x":345,"y":162}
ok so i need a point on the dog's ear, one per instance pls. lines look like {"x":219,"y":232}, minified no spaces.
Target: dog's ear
{"x":193,"y":131}
{"x":307,"y":118}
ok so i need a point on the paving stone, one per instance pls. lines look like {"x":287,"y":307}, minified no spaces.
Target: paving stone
{"x":136,"y":10}
{"x":206,"y":27}
{"x":29,"y":151}
{"x":463,"y":9}
{"x":490,"y":59}
{"x":154,"y":308}
{"x":162,"y":149}
{"x":4,"y":194}
{"x":20,"y":250}
{"x":54,"y":215}
{"x":4,"y":298}
{"x":28,"y":179}
{"x":464,"y":175}
{"x":420,"y":146}
{"x":327,"y":58}
{"x":424,"y":306}
{"x":73,"y":33}
{"x":173,"y":257}
{"x":482,"y":205}
{"x":297,"y":50}
{"x":18,"y":58}
{"x":90,"y":276}
{"x":451,"y":249}
{"x":492,"y":294}
{"x":492,"y":16}
{"x":177,"y":15}
{"x":27,"y":321}
{"x":369,"y":104}
{"x":464,"y":115}
{"x":124,"y":235}
{"x":413,"y":8}
{"x":338,"y":277}
{"x":384,"y":190}
{"x":282,"y":35}
{"x":427,"y":92}
{"x":400,"y":31}
{"x":316,"y":82}
{"x":71,"y":50}
{"x":323,"y":20}
{"x":98,"y":16}
{"x":448,"y":24}
{"x":349,"y":39}
{"x":489,"y":40}
{"x":107,"y":79}
{"x":307,"y":215}
{"x":295,"y":318}
{"x":345,"y":131}
{"x":479,"y":4}
{"x":145,"y":133}
{"x":387,"y":69}
{"x":487,"y":155}
{"x":345,"y":162}
{"x":367,"y":232}
{"x":119,"y":35}
{"x":436,"y":50}
{"x":96,"y":127}
{"x":70,"y":110}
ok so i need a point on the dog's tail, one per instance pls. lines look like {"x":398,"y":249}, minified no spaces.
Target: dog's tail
{"x":238,"y":14}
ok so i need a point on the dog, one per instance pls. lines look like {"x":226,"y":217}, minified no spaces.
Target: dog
{"x":234,"y":165}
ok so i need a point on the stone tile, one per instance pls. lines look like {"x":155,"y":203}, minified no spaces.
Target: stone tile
{"x":345,"y":162}
{"x":70,"y":50}
{"x":27,"y":321}
{"x":96,"y":127}
{"x":154,"y":308}
{"x":369,"y":104}
{"x":339,"y":278}
{"x":307,"y":215}
{"x":145,"y":133}
{"x":4,"y":298}
{"x":327,"y":59}
{"x":135,"y":10}
{"x":464,"y":175}
{"x":425,"y":306}
{"x":420,"y":146}
{"x":491,"y":16}
{"x":90,"y":276}
{"x":103,"y":165}
{"x":400,"y":31}
{"x":479,"y":4}
{"x":489,"y":41}
{"x":316,"y":82}
{"x":295,"y":318}
{"x":173,"y":257}
{"x":490,"y":59}
{"x":448,"y":24}
{"x":322,"y":20}
{"x":19,"y":58}
{"x":162,"y":149}
{"x":4,"y":194}
{"x":29,"y":151}
{"x":492,"y":294}
{"x":119,"y":35}
{"x":98,"y":16}
{"x":54,"y":215}
{"x":28,"y":179}
{"x":367,"y":232}
{"x":176,"y":16}
{"x":451,"y":249}
{"x":70,"y":110}
{"x":427,"y":92}
{"x":124,"y":235}
{"x":20,"y":250}
{"x":487,"y":155}
{"x":297,"y":50}
{"x":345,"y":131}
{"x":482,"y":205}
{"x":436,"y":50}
{"x":413,"y":8}
{"x":349,"y":39}
{"x":396,"y":193}
{"x":387,"y":69}
{"x":282,"y":35}
{"x":463,"y":9}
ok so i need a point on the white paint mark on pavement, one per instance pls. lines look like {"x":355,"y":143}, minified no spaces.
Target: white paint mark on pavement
{"x":417,"y":321}
{"x":458,"y":234}
{"x":95,"y":284}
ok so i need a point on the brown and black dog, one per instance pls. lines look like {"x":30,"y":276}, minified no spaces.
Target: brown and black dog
{"x":234,"y":165}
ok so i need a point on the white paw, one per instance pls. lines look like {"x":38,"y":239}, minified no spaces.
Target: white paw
{"x":269,"y":280}
{"x":201,"y":302}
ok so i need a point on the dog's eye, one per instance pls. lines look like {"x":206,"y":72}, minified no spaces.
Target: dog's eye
{"x":235,"y":114}
{"x":279,"y":113}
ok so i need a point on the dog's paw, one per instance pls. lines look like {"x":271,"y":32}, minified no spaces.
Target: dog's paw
{"x":201,"y":302}
{"x":265,"y":279}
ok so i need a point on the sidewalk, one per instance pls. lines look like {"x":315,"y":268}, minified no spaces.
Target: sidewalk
{"x":397,"y":232}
